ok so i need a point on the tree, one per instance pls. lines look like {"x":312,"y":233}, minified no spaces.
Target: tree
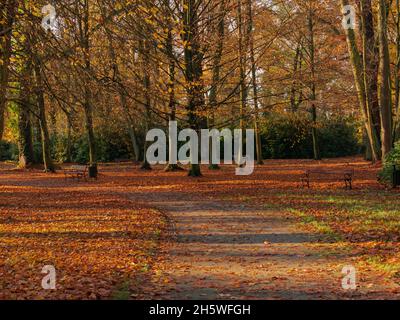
{"x":193,"y":72}
{"x":250,"y":31}
{"x":360,"y":68}
{"x":44,"y":132}
{"x":83,"y":9}
{"x":384,"y":80}
{"x":7,"y":16}
{"x":311,"y":52}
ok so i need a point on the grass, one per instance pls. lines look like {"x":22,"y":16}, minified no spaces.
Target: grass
{"x":381,"y":263}
{"x":367,"y":221}
{"x":123,"y":292}
{"x":311,"y":223}
{"x":368,"y":214}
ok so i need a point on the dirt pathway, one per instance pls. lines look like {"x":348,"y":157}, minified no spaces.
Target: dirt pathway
{"x":223,"y":250}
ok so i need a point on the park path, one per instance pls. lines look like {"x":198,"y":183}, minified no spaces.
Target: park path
{"x":224,"y":250}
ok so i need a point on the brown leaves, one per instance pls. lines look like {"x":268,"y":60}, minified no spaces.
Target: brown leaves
{"x":95,"y":238}
{"x":103,"y":236}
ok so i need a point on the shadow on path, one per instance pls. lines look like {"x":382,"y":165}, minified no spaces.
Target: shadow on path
{"x":224,"y":250}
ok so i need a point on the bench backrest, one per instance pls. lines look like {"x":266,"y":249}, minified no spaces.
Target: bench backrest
{"x":334,"y":171}
{"x":78,"y":168}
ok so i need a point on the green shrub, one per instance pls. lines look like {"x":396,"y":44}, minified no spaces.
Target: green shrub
{"x":8,"y":151}
{"x":386,"y":174}
{"x":288,"y":136}
{"x":110,"y":146}
{"x":338,"y":138}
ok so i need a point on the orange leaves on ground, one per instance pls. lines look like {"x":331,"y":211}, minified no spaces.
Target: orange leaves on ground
{"x":102,"y":236}
{"x":96,"y":239}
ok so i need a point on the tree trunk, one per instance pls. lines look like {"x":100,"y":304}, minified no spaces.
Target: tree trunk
{"x":368,"y":151}
{"x":242,"y":77}
{"x":130,"y":126}
{"x":69,"y":142}
{"x":169,"y":49}
{"x":397,"y":70}
{"x":90,"y":131}
{"x":385,"y":98}
{"x":316,"y":150}
{"x":370,"y":71}
{"x":216,"y":74}
{"x":397,"y":76}
{"x":254,"y":81}
{"x":297,"y":60}
{"x":87,"y":106}
{"x":25,"y":138}
{"x":7,"y":15}
{"x":44,"y":132}
{"x":147,"y":98}
{"x":193,"y":73}
{"x":357,"y":67}
{"x":25,"y":144}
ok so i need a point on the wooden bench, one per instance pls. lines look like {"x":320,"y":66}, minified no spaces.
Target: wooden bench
{"x":346,"y":175}
{"x":79,"y":172}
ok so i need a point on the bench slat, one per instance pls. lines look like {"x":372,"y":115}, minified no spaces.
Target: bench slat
{"x":76,"y":171}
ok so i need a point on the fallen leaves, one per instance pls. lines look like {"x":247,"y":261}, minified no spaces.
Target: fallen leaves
{"x":103,"y":237}
{"x":95,"y":238}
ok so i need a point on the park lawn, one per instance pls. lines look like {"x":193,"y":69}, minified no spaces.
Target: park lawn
{"x":101,"y":243}
{"x":366,"y":219}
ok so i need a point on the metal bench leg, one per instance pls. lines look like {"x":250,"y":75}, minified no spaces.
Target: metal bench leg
{"x":308,"y":181}
{"x":305,"y":182}
{"x":348,"y":183}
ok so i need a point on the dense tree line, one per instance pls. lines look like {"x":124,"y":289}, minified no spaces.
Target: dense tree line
{"x":130,"y":65}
